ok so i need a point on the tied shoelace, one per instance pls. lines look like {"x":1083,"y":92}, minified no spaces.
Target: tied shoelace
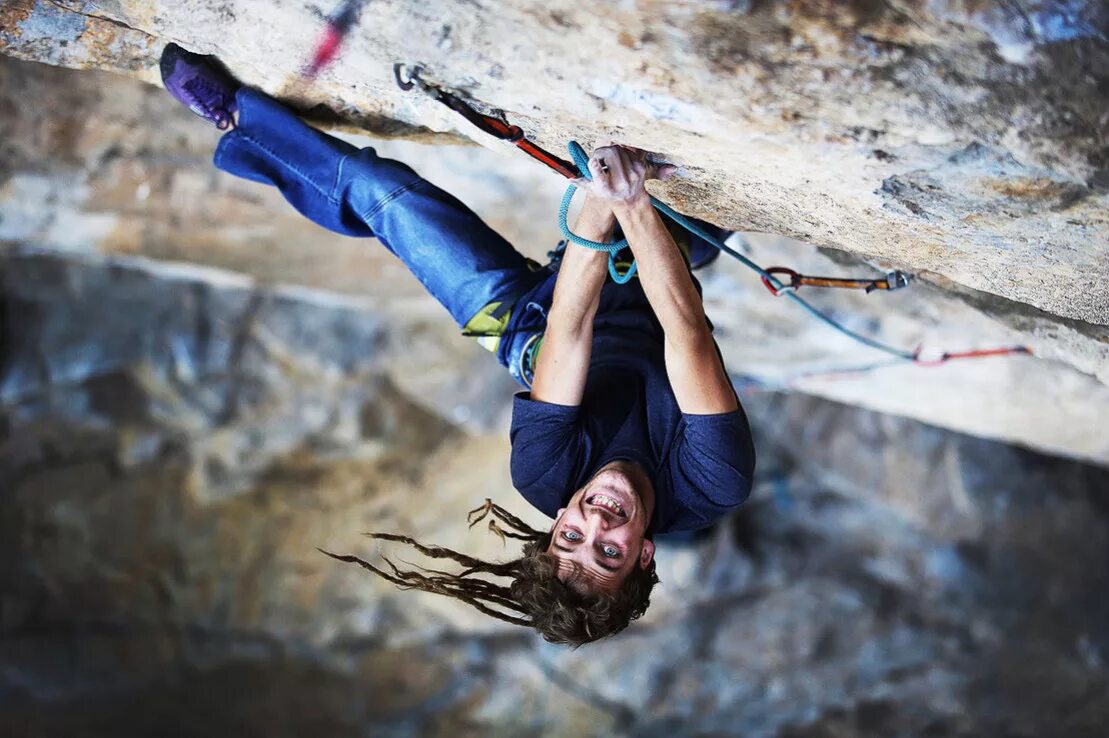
{"x":211,"y":100}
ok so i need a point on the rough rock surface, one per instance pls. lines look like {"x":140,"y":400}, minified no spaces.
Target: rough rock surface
{"x":170,"y":463}
{"x":962,"y":140}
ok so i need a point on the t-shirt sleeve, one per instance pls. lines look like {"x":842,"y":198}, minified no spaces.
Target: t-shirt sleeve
{"x":716,"y":463}
{"x":548,"y":446}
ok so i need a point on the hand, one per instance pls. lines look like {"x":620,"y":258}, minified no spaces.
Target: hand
{"x":619,"y":173}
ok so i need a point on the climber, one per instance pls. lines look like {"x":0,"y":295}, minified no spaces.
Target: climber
{"x":631,"y":427}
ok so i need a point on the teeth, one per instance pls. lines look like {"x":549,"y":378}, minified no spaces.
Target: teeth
{"x":608,"y":503}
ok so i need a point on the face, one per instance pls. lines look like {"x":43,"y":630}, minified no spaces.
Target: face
{"x":599,"y":534}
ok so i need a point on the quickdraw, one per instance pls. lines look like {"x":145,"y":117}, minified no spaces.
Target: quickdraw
{"x":794,"y":281}
{"x":750,"y":384}
{"x":920,"y":358}
{"x":408,"y":78}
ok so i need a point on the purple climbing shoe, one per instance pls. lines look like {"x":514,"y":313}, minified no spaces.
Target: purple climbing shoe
{"x":201,"y":83}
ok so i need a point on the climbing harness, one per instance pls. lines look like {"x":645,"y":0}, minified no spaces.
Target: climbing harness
{"x":781,"y":281}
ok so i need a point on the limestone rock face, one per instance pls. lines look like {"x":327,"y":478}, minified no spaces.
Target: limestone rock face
{"x":962,"y":141}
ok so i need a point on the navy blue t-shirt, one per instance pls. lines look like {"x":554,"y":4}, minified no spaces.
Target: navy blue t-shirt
{"x":701,"y":465}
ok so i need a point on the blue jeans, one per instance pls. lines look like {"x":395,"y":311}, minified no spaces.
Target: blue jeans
{"x":461,"y":261}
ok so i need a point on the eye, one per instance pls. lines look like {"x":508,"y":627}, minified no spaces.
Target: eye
{"x":610,"y":551}
{"x":571,"y":535}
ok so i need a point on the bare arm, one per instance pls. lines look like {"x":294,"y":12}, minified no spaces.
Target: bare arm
{"x":563,"y":363}
{"x":693,"y":366}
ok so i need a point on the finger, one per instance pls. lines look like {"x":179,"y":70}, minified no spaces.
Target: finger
{"x":633,"y":153}
{"x":608,"y":150}
{"x":599,"y":162}
{"x":643,"y":164}
{"x":627,"y":155}
{"x":616,"y":165}
{"x":663,"y":171}
{"x":622,"y":161}
{"x":599,"y":167}
{"x":582,"y":182}
{"x":632,"y":166}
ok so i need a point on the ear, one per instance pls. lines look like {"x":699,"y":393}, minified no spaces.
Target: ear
{"x":558,"y":517}
{"x":646,"y":554}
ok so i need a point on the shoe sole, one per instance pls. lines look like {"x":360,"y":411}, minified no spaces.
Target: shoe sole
{"x":173,"y":53}
{"x":170,"y":54}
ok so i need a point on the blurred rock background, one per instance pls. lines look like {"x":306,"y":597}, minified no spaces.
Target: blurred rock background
{"x":197,"y":388}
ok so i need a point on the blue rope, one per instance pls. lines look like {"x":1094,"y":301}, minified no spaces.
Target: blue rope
{"x":582,"y":162}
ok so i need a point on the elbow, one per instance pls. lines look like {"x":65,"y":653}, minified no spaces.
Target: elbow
{"x":734,"y":496}
{"x":734,"y":487}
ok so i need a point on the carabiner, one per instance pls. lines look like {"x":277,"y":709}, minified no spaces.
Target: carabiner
{"x":794,"y":280}
{"x":408,"y":77}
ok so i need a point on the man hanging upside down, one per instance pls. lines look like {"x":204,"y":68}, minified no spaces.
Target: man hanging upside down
{"x":631,"y":426}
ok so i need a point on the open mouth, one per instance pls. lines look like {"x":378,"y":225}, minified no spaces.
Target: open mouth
{"x":607,"y":503}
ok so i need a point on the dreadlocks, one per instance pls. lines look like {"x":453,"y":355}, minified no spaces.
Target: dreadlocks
{"x":534,"y":596}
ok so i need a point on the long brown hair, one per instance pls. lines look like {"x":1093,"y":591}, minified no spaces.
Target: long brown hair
{"x":561,"y":611}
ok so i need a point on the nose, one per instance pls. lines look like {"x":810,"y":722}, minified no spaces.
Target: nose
{"x":599,"y":518}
